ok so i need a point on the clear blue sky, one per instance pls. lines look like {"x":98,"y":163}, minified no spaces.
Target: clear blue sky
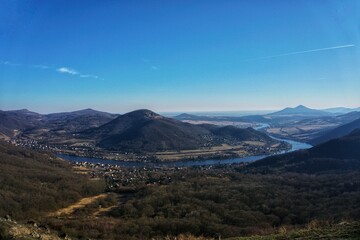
{"x":179,"y":55}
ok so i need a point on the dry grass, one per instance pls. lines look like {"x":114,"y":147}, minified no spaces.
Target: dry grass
{"x":218,"y":150}
{"x":80,"y":204}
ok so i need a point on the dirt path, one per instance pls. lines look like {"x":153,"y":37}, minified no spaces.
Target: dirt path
{"x":80,"y":204}
{"x":103,"y":211}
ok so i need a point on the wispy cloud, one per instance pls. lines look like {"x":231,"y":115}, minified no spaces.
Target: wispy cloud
{"x":67,"y":70}
{"x":41,"y":66}
{"x":148,"y":63}
{"x":303,"y":52}
{"x":90,"y":76}
{"x":63,"y":70}
{"x":71,"y":71}
{"x":10,"y":63}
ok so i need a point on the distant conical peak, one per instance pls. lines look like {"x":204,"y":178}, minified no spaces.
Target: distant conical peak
{"x":301,"y":107}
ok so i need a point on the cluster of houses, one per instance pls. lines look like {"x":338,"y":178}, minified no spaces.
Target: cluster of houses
{"x":119,"y":177}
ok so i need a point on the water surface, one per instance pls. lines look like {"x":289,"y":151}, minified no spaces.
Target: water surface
{"x":185,"y":163}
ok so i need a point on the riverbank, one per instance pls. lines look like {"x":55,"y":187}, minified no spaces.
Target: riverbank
{"x":185,"y":163}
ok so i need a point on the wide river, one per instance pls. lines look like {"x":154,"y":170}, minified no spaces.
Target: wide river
{"x":186,"y":163}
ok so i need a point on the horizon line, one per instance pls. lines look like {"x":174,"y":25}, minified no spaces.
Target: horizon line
{"x":178,"y":111}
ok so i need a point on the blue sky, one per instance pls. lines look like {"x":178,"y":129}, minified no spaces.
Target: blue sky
{"x":119,"y":56}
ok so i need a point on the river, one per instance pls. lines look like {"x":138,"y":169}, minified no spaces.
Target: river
{"x":187,"y":163}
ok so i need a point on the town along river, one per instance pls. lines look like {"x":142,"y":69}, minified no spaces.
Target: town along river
{"x":184,"y":163}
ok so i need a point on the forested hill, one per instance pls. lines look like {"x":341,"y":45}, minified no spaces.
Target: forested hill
{"x":144,"y":130}
{"x":33,"y":184}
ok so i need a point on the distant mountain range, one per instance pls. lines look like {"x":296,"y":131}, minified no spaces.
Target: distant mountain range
{"x":77,"y":120}
{"x":149,"y":131}
{"x":17,"y":120}
{"x":299,"y":111}
{"x":186,"y":116}
{"x":337,"y":154}
{"x":144,"y":130}
{"x":340,"y":110}
{"x":31,"y":122}
{"x":249,"y":118}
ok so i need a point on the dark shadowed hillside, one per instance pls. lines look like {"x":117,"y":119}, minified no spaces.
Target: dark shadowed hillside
{"x":144,"y":130}
{"x":337,"y":154}
{"x":240,"y":134}
{"x":348,"y":117}
{"x":337,"y":132}
{"x":148,"y":131}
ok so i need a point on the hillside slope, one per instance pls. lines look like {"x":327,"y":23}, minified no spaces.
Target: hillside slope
{"x":11,"y":121}
{"x":76,"y":121}
{"x":34,"y":183}
{"x":337,"y":132}
{"x":337,"y":154}
{"x":47,"y":126}
{"x":144,"y":130}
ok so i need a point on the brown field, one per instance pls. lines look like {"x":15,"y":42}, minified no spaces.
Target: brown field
{"x":301,"y":132}
{"x":222,"y":123}
{"x":224,"y":149}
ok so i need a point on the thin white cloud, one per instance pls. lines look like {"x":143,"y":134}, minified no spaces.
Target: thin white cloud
{"x":10,"y":63}
{"x":88,"y":76}
{"x":67,"y":70}
{"x":40,"y":66}
{"x":64,"y":70}
{"x":148,"y":63}
{"x":303,"y":52}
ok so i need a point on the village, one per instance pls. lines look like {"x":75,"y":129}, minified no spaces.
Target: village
{"x":120,"y":179}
